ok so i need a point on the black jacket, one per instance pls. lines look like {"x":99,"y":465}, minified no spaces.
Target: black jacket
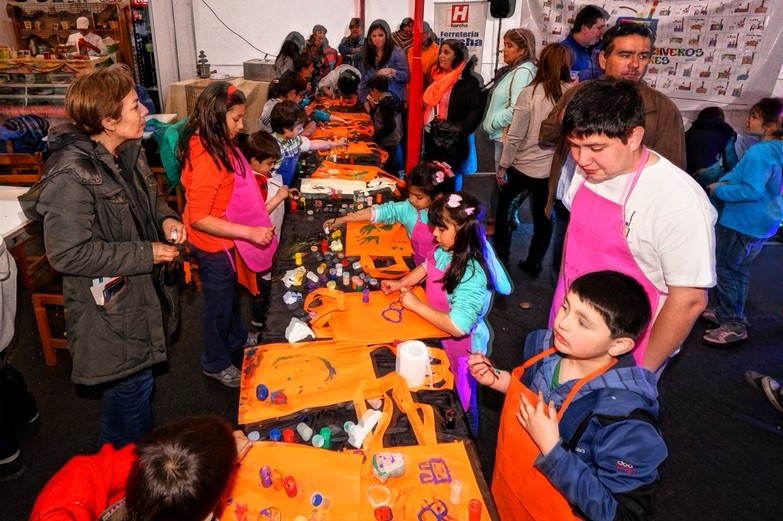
{"x":466,"y":108}
{"x":96,"y":225}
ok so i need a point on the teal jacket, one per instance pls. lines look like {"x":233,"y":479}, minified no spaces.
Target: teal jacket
{"x":752,"y":202}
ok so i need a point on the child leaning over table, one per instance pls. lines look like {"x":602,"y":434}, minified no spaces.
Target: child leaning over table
{"x":287,"y":121}
{"x":427,"y":181}
{"x":262,"y":152}
{"x":578,"y":437}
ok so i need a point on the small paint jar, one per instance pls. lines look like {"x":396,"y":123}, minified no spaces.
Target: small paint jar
{"x":304,"y":431}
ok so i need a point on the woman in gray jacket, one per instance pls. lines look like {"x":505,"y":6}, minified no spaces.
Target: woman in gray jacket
{"x":106,"y":225}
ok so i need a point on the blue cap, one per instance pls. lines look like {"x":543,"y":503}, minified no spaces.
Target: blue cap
{"x":262,"y":392}
{"x":275,"y":434}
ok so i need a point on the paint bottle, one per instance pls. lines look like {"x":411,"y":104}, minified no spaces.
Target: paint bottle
{"x":298,"y":258}
{"x":326,"y":433}
{"x":266,"y":476}
{"x":262,"y":392}
{"x":304,"y":431}
{"x":455,"y":492}
{"x":277,"y":479}
{"x":366,"y":294}
{"x":288,"y":435}
{"x":275,"y":434}
{"x":474,"y":510}
{"x":289,"y":483}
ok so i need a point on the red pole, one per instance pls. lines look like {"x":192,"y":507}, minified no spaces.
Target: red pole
{"x":416,"y":89}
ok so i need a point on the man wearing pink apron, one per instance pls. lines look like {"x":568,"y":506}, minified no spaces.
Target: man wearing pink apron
{"x":634,"y":212}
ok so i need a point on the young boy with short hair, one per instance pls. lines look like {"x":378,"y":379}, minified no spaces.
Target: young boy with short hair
{"x":262,"y":152}
{"x":578,"y":435}
{"x":386,"y":119}
{"x":287,"y":122}
{"x":293,"y":88}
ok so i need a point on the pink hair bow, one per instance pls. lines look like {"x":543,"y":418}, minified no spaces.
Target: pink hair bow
{"x":469,"y":210}
{"x":443,"y":172}
{"x":453,"y":201}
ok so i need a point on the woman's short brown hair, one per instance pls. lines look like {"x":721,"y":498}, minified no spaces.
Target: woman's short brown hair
{"x":95,"y":95}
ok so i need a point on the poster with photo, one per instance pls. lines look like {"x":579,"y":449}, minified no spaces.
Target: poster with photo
{"x":724,"y":52}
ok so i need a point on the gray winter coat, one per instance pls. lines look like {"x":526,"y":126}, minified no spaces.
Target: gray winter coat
{"x":92,"y":229}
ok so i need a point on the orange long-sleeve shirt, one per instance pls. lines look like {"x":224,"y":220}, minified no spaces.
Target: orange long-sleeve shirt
{"x":208,"y":189}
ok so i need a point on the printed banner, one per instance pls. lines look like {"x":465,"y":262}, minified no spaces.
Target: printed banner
{"x":726,"y":52}
{"x":464,"y":21}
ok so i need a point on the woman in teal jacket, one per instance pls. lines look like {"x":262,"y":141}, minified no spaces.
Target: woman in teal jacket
{"x":519,"y":51}
{"x":752,"y":210}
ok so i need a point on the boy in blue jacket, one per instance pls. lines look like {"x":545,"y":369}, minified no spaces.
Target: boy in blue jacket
{"x":751,"y":209}
{"x":578,"y":436}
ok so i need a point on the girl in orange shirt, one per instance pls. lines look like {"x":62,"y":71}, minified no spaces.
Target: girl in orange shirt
{"x":210,"y":164}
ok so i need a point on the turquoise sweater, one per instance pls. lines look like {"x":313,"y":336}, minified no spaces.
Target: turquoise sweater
{"x":470,"y":301}
{"x":398,"y":212}
{"x":753,"y":204}
{"x":504,"y":96}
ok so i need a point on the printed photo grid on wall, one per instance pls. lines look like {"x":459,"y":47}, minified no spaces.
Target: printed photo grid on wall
{"x":704,"y":50}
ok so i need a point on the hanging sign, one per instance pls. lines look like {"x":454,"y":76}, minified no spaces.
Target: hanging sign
{"x":464,"y":21}
{"x":717,"y":51}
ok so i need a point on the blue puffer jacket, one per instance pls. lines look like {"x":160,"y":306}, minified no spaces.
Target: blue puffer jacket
{"x":606,"y":465}
{"x":753,"y":204}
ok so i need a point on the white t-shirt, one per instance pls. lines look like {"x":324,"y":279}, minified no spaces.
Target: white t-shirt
{"x":73,"y":39}
{"x":330,"y":80}
{"x":671,"y":224}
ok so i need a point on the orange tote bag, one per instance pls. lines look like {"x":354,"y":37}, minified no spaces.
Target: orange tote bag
{"x":344,"y":317}
{"x":309,"y":374}
{"x":307,"y":476}
{"x":378,"y":239}
{"x":424,"y":490}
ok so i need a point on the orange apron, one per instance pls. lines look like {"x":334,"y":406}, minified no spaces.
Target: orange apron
{"x":520,"y":490}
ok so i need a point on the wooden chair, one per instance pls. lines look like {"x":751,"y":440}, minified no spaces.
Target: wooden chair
{"x":175,"y":197}
{"x":48,"y":296}
{"x":28,"y":250}
{"x":20,"y":169}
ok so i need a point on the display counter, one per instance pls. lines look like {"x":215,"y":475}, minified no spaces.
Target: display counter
{"x":38,"y":85}
{"x":182,"y":96}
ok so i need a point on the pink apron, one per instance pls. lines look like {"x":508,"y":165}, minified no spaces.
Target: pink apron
{"x":596,"y":241}
{"x":456,"y":348}
{"x":247,"y":207}
{"x":422,"y":240}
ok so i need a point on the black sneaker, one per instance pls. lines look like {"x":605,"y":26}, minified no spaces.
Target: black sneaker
{"x":531,"y":268}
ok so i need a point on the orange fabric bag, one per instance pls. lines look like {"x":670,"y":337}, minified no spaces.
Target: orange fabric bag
{"x":311,"y":374}
{"x":317,"y":374}
{"x":356,"y":130}
{"x":336,"y":476}
{"x":360,"y":150}
{"x":353,"y":116}
{"x":345,"y":318}
{"x":331,"y":170}
{"x":379,"y":239}
{"x":423,"y":491}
